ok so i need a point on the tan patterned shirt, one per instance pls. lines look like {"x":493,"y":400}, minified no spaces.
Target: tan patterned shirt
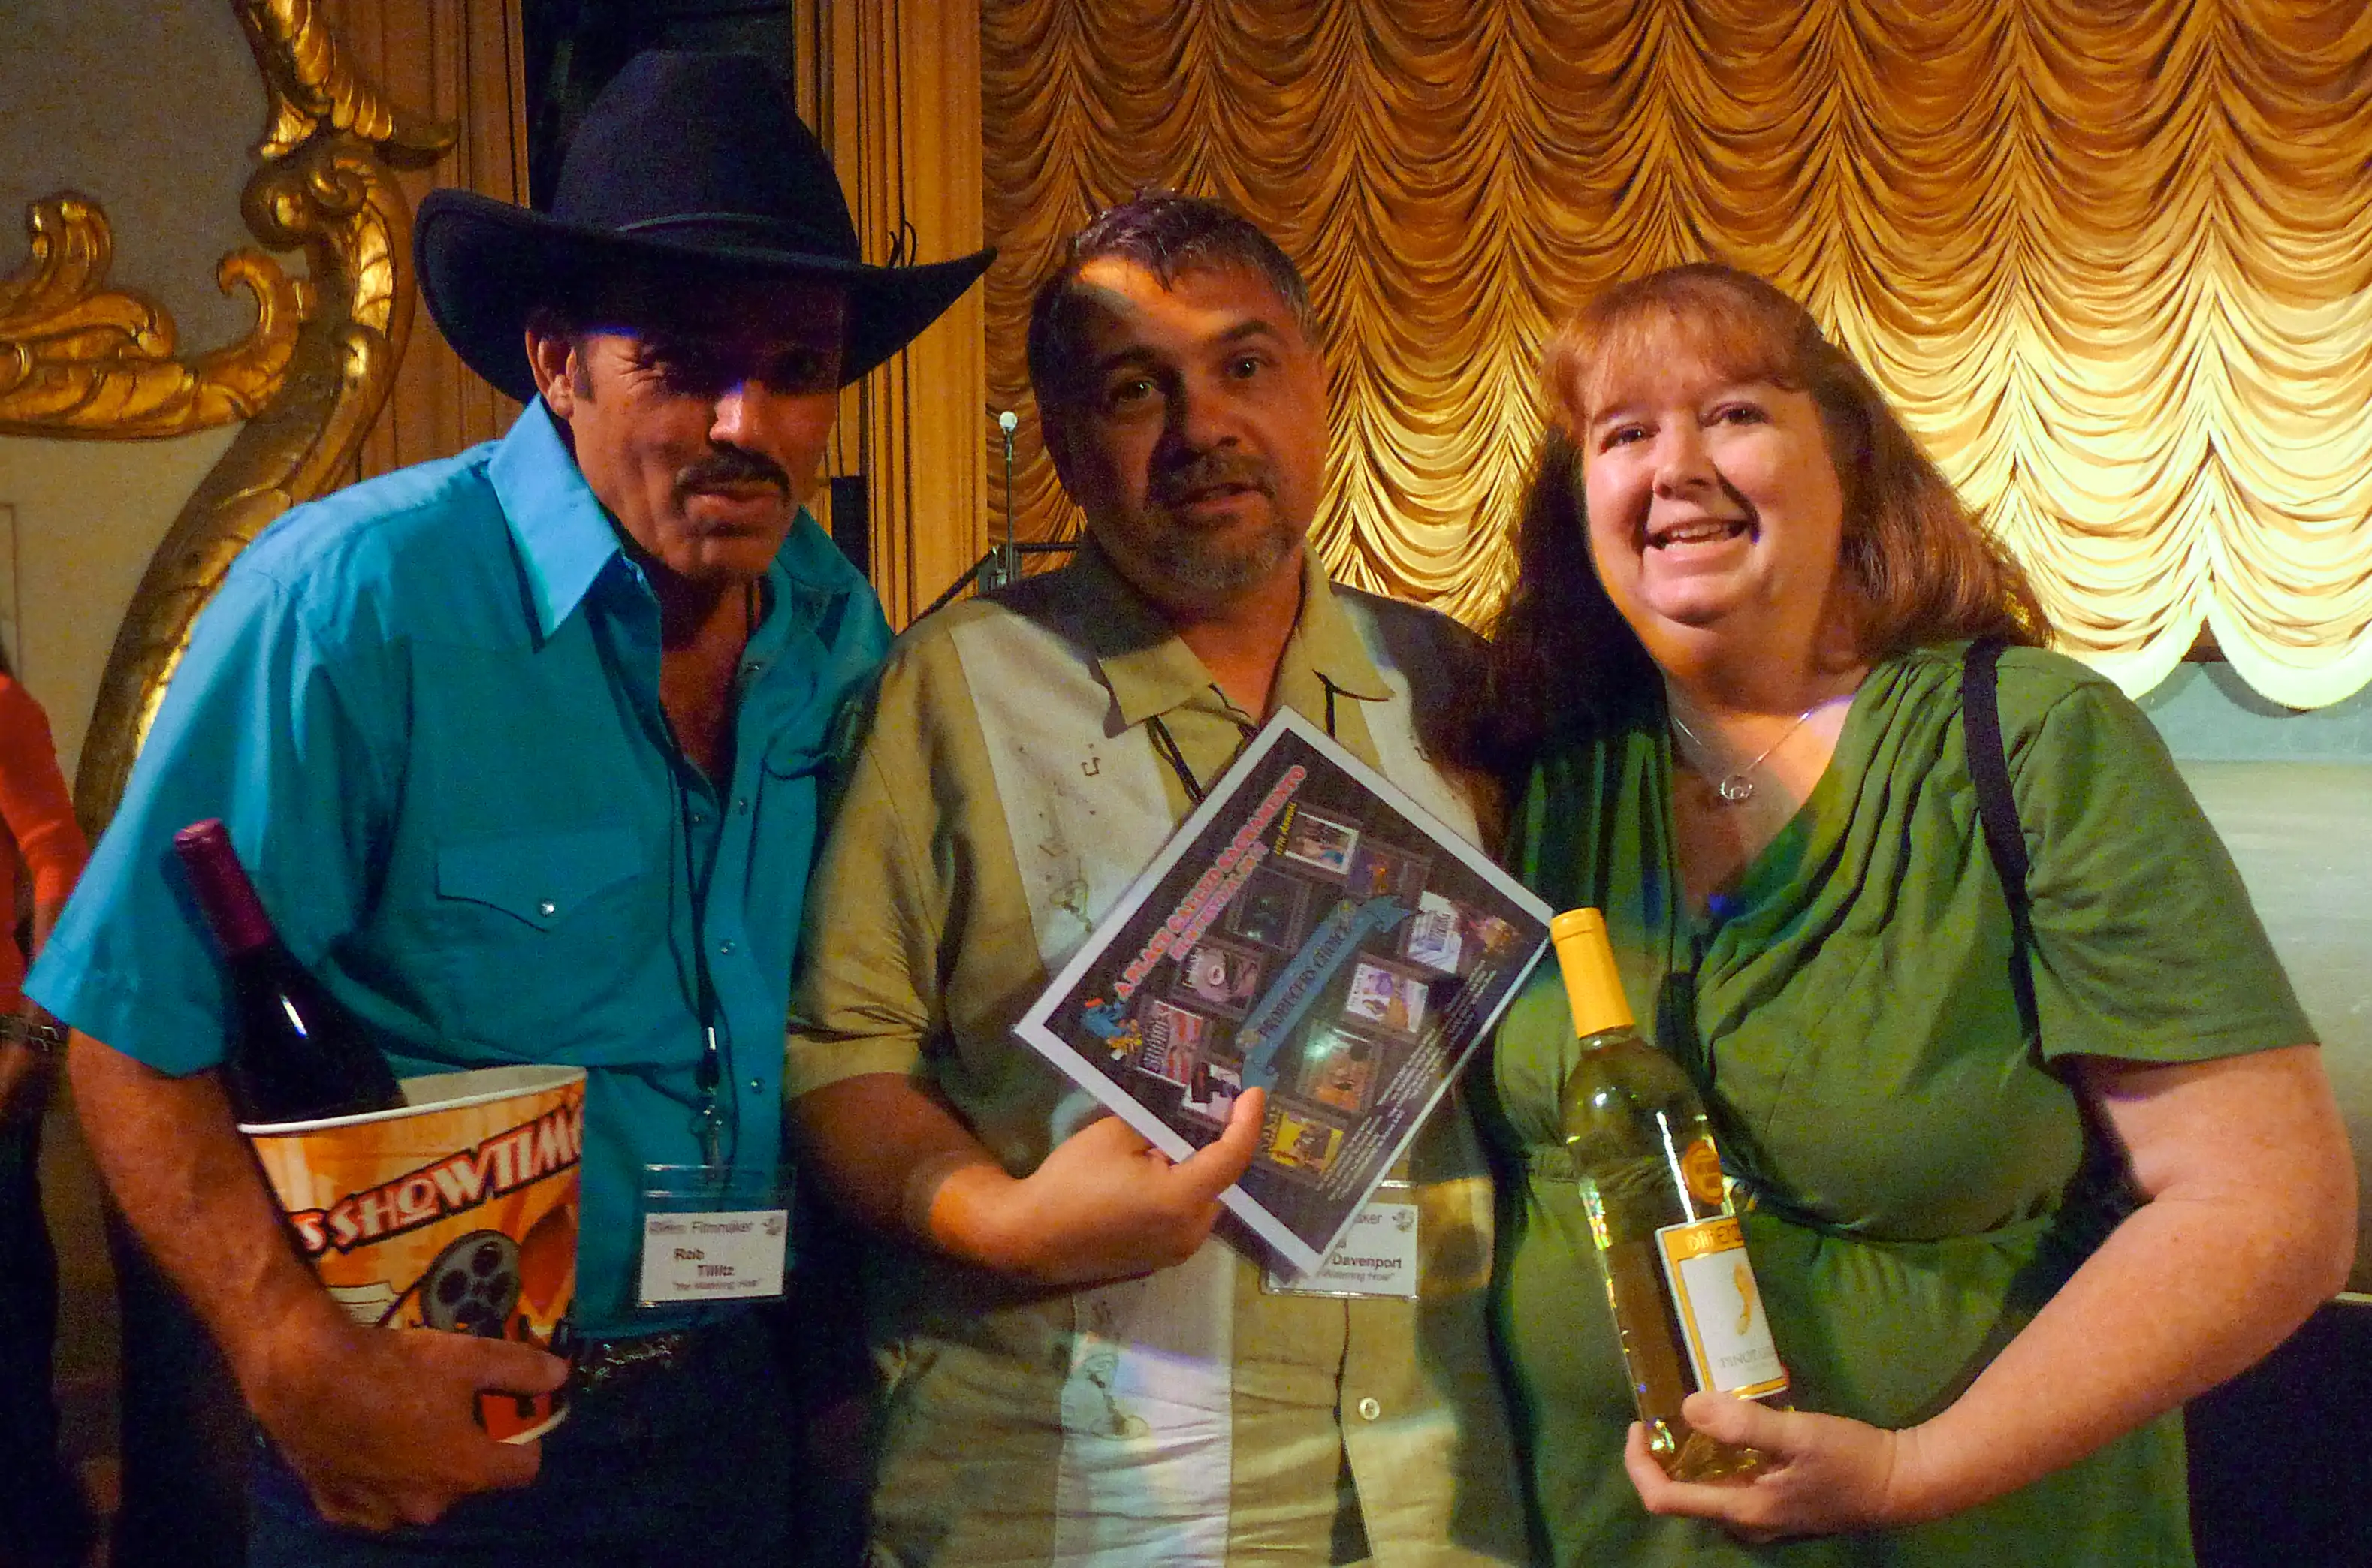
{"x":1007,"y":793}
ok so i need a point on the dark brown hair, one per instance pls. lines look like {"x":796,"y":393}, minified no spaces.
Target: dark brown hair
{"x":1921,"y":565}
{"x":1167,"y":234}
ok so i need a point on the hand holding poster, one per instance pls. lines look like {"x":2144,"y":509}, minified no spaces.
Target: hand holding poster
{"x":1310,"y":931}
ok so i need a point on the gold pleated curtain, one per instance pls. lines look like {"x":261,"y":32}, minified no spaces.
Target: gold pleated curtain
{"x":2112,"y":260}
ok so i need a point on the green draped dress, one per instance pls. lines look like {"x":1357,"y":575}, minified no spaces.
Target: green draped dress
{"x":1849,"y":1011}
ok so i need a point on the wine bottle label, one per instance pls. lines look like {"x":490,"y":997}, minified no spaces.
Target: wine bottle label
{"x":1720,"y":1308}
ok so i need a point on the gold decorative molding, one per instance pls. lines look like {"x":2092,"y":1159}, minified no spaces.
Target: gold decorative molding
{"x":324,"y":187}
{"x":466,"y":60}
{"x":83,"y":361}
{"x":314,"y":89}
{"x":79,"y":359}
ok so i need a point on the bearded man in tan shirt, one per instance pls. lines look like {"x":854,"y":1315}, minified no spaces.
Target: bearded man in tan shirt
{"x":1077,"y":1370}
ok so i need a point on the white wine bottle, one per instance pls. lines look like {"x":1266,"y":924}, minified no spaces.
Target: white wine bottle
{"x":1669,"y":1243}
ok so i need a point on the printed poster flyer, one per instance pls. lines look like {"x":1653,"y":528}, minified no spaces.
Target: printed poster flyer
{"x":1311,"y":931}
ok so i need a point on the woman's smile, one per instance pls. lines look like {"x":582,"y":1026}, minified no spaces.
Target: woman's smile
{"x":1681,"y":535}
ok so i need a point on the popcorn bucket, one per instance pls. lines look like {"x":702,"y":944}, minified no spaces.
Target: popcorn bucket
{"x":457,"y":1211}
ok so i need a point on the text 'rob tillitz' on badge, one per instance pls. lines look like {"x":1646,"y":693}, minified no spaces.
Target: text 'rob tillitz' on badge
{"x":1720,"y":1310}
{"x":712,"y":1236}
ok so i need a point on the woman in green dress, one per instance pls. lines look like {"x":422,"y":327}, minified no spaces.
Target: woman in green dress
{"x":1996,"y":1256}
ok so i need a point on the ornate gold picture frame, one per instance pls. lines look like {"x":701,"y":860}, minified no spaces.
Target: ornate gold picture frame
{"x":82,"y":360}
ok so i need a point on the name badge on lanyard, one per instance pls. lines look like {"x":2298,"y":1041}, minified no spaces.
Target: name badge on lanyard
{"x":1376,"y":1256}
{"x":711,"y":1234}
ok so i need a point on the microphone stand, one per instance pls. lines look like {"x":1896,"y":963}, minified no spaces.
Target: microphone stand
{"x":1001,"y":567}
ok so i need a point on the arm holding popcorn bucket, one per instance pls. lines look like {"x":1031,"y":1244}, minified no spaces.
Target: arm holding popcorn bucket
{"x":383,"y":1427}
{"x":444,"y":1202}
{"x":527,"y":749}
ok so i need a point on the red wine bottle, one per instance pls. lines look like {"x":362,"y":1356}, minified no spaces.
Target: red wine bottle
{"x":294,"y":1055}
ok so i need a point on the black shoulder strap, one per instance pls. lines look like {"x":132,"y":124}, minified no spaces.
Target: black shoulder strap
{"x":1997,"y":809}
{"x":2103,"y":1192}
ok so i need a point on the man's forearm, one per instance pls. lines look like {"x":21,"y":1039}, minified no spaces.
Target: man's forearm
{"x":887,"y":1148}
{"x":905,"y":1163}
{"x":45,"y":920}
{"x":171,"y":1153}
{"x":1103,"y":1204}
{"x":376,"y":1423}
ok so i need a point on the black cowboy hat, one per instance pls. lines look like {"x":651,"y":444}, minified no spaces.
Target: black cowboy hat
{"x":684,"y":161}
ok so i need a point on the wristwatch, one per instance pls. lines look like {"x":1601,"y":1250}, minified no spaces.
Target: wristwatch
{"x":18,"y":1029}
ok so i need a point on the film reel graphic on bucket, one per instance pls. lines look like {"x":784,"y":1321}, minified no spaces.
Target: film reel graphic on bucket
{"x":474,"y":1286}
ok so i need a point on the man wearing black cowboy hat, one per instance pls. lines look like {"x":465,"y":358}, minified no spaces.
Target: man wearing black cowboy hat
{"x":524,"y":751}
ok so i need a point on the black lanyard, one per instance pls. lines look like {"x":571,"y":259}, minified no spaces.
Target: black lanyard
{"x":1166,"y":744}
{"x":710,"y":1120}
{"x":713,"y":1123}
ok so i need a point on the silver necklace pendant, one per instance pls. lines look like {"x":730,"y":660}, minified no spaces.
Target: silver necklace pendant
{"x":1735,"y":788}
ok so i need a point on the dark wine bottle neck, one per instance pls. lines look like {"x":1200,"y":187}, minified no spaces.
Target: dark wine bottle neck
{"x":224,"y":892}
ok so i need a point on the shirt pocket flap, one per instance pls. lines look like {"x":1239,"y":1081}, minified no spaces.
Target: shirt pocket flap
{"x":541,"y":878}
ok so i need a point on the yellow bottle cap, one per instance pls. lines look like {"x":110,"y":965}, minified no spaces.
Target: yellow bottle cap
{"x":1591,"y":983}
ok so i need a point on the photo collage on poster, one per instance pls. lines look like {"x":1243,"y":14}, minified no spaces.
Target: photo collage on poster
{"x":1312,"y":931}
{"x":1365,"y":1019}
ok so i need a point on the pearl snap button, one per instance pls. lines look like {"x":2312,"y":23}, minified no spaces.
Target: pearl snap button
{"x":547,"y":907}
{"x":1369,"y":1410}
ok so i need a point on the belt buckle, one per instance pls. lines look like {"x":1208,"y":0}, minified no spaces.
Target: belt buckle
{"x":47,"y":1038}
{"x":598,"y":1361}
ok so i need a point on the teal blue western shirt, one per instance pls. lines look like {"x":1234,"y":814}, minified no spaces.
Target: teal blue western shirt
{"x":429,"y":709}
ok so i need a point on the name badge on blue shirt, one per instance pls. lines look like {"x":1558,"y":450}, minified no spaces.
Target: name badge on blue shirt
{"x":713,"y":1235}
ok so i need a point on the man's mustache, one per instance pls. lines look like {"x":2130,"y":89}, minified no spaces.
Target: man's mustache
{"x":1210,"y":470}
{"x":728,"y":467}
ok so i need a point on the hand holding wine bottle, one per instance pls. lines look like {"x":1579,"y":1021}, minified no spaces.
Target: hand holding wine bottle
{"x":1669,"y":1248}
{"x":1686,"y":1308}
{"x":1813,"y":1473}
